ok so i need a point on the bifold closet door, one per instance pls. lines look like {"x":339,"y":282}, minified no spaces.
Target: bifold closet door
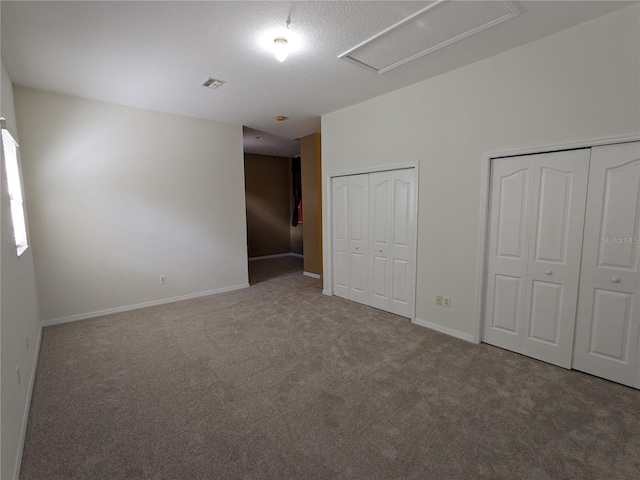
{"x":374,"y":221}
{"x":391,"y":233}
{"x":358,"y":209}
{"x":608,"y":324}
{"x":403,"y":234}
{"x":340,"y":240}
{"x":350,"y":217}
{"x":536,"y":222}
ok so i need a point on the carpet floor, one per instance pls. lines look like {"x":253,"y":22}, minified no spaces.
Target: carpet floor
{"x":278,"y":381}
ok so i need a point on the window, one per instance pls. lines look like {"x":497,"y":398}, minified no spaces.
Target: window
{"x":14,"y":185}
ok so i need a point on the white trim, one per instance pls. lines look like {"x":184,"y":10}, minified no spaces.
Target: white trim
{"x":27,"y":408}
{"x":109,"y":311}
{"x":555,"y":147}
{"x":328,"y":251}
{"x":327,"y":293}
{"x":277,"y":255}
{"x":312,"y":275}
{"x":484,"y":203}
{"x":446,"y":330}
{"x":386,"y":168}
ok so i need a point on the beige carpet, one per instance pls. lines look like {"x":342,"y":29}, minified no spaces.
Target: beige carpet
{"x":281,"y":382}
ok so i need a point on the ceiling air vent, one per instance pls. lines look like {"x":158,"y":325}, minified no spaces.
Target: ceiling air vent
{"x":212,"y":83}
{"x":441,"y":23}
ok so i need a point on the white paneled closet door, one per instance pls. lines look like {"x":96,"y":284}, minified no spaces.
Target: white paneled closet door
{"x":536,"y":222}
{"x":391,"y":233}
{"x":608,"y":325}
{"x":403,"y":225}
{"x":340,"y":229}
{"x":374,"y":222}
{"x":510,"y":212}
{"x":359,"y":238}
{"x":380,"y":200}
{"x":557,"y":221}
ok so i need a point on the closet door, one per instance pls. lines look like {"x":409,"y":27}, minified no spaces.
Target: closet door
{"x":403,"y":225}
{"x":380,"y":200}
{"x":358,"y":218}
{"x":374,"y":225}
{"x":340,"y":229}
{"x":608,"y":322}
{"x":553,"y":271}
{"x":537,"y":215}
{"x":508,"y":248}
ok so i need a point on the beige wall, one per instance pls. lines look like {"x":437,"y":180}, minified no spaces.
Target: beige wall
{"x":119,"y":196}
{"x":268,"y":192}
{"x":19,"y":314}
{"x":310,"y":154}
{"x":578,"y":84}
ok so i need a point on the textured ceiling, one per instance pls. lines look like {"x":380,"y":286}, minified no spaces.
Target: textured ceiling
{"x":154,"y":55}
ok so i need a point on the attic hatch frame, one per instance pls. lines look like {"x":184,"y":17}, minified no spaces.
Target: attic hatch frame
{"x":512,"y":11}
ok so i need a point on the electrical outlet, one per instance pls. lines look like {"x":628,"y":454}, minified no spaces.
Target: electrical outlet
{"x":439,"y":300}
{"x":18,"y":375}
{"x":446,"y":302}
{"x":163,"y":279}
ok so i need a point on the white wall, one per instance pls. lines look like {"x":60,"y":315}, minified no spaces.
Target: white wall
{"x":578,"y":84}
{"x":119,"y":196}
{"x":19,"y":318}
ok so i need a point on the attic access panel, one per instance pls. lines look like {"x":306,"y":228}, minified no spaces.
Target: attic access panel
{"x":441,"y":23}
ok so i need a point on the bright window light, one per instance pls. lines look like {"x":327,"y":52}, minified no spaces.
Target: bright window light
{"x":10,"y":152}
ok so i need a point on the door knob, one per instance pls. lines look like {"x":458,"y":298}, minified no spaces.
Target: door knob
{"x":356,"y":247}
{"x":615,"y":280}
{"x":380,"y":250}
{"x":548,"y":272}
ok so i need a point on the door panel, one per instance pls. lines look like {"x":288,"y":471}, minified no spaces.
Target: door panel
{"x":546,"y":305}
{"x":621,"y":187}
{"x":403,"y":212}
{"x":340,"y":229}
{"x":608,"y":324}
{"x":552,"y":225}
{"x":359,"y":238}
{"x":512,"y":202}
{"x":506,"y":304}
{"x":557,"y":221}
{"x":510,"y":211}
{"x":380,"y":189}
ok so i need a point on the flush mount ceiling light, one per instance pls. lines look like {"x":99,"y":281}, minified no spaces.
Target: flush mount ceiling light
{"x":280,"y":48}
{"x":281,"y":41}
{"x":281,"y":118}
{"x":436,"y":26}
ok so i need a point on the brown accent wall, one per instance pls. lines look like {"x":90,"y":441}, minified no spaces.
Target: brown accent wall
{"x":267,"y":190}
{"x":310,"y":155}
{"x":295,"y":233}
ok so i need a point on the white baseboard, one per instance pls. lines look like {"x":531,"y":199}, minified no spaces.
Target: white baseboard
{"x":277,"y":255}
{"x":27,"y":408}
{"x":327,"y":293}
{"x":312,"y":275}
{"x":445,"y":330}
{"x":109,"y":311}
